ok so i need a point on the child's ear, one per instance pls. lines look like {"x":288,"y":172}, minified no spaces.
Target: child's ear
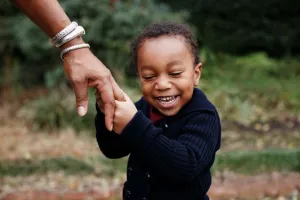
{"x":197,"y":73}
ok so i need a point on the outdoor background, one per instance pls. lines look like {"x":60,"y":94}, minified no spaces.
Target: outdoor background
{"x":251,"y":72}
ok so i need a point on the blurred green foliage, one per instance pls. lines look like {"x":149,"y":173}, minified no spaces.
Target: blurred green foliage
{"x":246,"y":26}
{"x":110,"y":29}
{"x":57,"y":110}
{"x":246,"y":89}
{"x":252,"y":88}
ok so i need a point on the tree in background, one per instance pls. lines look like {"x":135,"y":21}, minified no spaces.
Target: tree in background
{"x":110,"y":25}
{"x":246,"y":26}
{"x":8,"y":48}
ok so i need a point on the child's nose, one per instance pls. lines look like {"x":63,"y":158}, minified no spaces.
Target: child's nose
{"x":163,"y":84}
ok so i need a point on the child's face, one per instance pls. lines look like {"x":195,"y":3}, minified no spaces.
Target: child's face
{"x":167,"y":73}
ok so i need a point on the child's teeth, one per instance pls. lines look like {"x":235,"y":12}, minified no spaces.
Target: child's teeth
{"x":167,"y":99}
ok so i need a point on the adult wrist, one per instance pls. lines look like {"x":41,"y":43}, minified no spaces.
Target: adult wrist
{"x":75,"y":54}
{"x":69,"y":40}
{"x":72,"y":48}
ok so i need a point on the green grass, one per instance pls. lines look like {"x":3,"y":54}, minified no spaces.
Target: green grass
{"x":28,"y":167}
{"x":251,"y":162}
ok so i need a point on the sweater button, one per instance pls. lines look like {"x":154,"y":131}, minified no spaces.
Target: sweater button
{"x":148,"y":175}
{"x":129,"y":171}
{"x":166,"y":125}
{"x":128,"y":193}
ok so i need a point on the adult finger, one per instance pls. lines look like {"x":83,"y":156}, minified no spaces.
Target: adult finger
{"x":126,"y":97}
{"x":81,"y":94}
{"x":97,"y":94}
{"x":98,"y":98}
{"x":118,"y":93}
{"x":107,"y":97}
{"x":100,"y":105}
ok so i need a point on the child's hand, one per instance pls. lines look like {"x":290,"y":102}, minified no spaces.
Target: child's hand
{"x":124,"y":112}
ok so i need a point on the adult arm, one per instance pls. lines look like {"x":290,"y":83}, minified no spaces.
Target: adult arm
{"x":46,"y":14}
{"x":82,"y":68}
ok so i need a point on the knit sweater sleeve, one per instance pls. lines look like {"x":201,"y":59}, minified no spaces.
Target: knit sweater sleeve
{"x":110,"y":143}
{"x":181,"y":159}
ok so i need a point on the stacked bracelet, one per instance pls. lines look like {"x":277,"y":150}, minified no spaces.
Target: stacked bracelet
{"x":79,"y":31}
{"x":63,"y":33}
{"x":71,"y":48}
{"x":69,"y":33}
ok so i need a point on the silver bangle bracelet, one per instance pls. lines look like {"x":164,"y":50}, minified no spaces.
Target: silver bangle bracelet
{"x":71,"y":48}
{"x":63,"y":33}
{"x":79,"y":31}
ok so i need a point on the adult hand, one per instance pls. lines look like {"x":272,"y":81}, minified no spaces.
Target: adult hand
{"x":81,"y":66}
{"x":124,"y":112}
{"x":85,"y":70}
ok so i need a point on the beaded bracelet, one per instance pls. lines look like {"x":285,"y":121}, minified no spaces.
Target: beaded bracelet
{"x":71,"y":48}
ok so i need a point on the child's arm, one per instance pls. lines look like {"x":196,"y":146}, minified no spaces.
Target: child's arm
{"x":110,"y":143}
{"x":182,"y":159}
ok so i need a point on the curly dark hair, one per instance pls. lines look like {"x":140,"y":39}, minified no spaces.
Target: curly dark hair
{"x":165,"y":28}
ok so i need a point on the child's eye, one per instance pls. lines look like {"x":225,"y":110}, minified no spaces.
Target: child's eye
{"x":175,"y":73}
{"x":148,"y":77}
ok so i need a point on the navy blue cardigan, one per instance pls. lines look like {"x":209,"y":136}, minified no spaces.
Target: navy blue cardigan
{"x":170,"y":160}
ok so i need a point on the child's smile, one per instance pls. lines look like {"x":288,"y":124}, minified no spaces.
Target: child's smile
{"x":167,"y":73}
{"x":167,"y":102}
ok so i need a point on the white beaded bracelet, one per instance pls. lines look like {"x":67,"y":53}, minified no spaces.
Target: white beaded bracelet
{"x":79,"y":31}
{"x":63,"y":33}
{"x":71,"y":48}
